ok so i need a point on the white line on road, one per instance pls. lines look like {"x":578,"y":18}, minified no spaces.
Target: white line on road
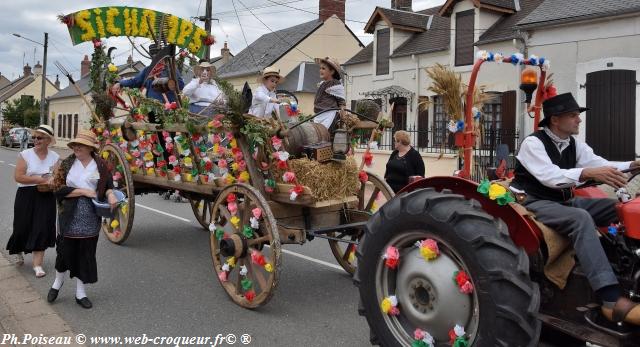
{"x":164,"y":213}
{"x":317,"y":261}
{"x":14,"y":165}
{"x":1,"y":161}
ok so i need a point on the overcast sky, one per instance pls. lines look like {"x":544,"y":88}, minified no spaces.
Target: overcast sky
{"x":31,"y":18}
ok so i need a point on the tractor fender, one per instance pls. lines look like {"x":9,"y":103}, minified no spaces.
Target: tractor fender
{"x":523,"y":231}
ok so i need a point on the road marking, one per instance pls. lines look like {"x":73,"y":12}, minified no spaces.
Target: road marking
{"x":14,"y":165}
{"x":302,"y":256}
{"x":164,"y":213}
{"x":1,"y":161}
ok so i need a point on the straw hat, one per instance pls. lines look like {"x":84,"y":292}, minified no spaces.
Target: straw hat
{"x":333,"y":63}
{"x":46,"y":130}
{"x":270,"y":71}
{"x":205,"y":64}
{"x":87,"y":138}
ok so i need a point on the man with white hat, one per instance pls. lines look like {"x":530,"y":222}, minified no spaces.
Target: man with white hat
{"x":265,"y":102}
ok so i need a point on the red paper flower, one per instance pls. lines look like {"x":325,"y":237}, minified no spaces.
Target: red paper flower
{"x":177,"y":170}
{"x":153,"y":138}
{"x":208,"y":165}
{"x":96,"y":43}
{"x":452,"y":337}
{"x":363,"y":177}
{"x":392,"y":257}
{"x":257,"y":258}
{"x":231,"y":198}
{"x":209,"y":40}
{"x":250,"y":295}
{"x":461,"y":278}
{"x":138,"y":117}
{"x":161,"y":164}
{"x":368,"y":159}
{"x":282,"y":165}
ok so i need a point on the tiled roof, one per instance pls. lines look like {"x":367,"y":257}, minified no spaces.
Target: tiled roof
{"x":510,"y":4}
{"x":310,"y":79}
{"x":397,"y":18}
{"x":15,"y":86}
{"x":505,"y":28}
{"x":267,"y":49}
{"x":364,"y":56}
{"x":436,"y":39}
{"x":564,"y":11}
{"x":500,"y":5}
{"x":4,"y":82}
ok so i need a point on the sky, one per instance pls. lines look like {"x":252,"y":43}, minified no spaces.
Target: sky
{"x":31,"y":18}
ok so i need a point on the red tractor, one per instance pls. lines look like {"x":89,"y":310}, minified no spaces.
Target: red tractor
{"x":442,"y":264}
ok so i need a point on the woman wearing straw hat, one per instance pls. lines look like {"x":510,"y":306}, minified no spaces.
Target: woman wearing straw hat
{"x":203,"y":92}
{"x":81,"y":176}
{"x":330,"y":93}
{"x":34,"y":213}
{"x":264,"y":101}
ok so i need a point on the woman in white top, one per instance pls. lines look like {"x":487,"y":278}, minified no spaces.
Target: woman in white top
{"x":34,"y":214}
{"x":265,"y":102}
{"x":203,"y":92}
{"x":81,"y":177}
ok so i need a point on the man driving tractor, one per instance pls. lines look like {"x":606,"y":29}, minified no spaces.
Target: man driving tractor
{"x":550,"y":164}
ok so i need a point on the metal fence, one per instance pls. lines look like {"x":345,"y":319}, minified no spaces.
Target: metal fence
{"x":491,"y":144}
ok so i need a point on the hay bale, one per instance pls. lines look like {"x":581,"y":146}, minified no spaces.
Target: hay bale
{"x":327,"y":181}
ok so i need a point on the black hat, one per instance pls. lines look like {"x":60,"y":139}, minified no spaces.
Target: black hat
{"x":557,"y":105}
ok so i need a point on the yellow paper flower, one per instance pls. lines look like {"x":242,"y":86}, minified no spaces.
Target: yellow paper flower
{"x":188,"y":177}
{"x":186,"y":28}
{"x":216,"y":148}
{"x":235,"y":166}
{"x":188,"y":162}
{"x":105,"y":155}
{"x":235,"y":221}
{"x":124,"y":208}
{"x":113,"y":12}
{"x":145,"y":29}
{"x":229,"y":179}
{"x":112,"y":68}
{"x":151,"y":171}
{"x":352,"y":257}
{"x":496,"y":190}
{"x":114,"y":224}
{"x":268,"y":267}
{"x":140,"y":133}
{"x":386,"y":305}
{"x":128,"y":156}
{"x":231,"y":261}
{"x":427,"y":253}
{"x":244,"y":176}
{"x":148,"y":156}
{"x":173,"y":24}
{"x":234,"y":143}
{"x":82,"y":21}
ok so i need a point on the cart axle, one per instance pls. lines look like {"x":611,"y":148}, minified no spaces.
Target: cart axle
{"x":351,"y":227}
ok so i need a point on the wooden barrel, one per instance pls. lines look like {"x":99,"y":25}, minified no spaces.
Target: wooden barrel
{"x":305,"y":134}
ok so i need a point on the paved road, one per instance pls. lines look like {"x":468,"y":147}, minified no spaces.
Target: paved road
{"x":161,"y":283}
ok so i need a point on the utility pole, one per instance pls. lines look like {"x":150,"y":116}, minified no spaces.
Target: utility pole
{"x":207,"y":27}
{"x":44,"y":80}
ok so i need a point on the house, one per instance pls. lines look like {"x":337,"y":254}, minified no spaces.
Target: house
{"x":68,"y":111}
{"x":288,"y":48}
{"x":29,"y":84}
{"x":591,"y":46}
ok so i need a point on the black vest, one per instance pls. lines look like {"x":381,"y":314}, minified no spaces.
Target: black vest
{"x":527,"y":182}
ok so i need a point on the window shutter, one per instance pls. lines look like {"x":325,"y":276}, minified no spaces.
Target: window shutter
{"x":464,"y":37}
{"x":60,"y":125}
{"x":382,"y":52}
{"x":75,"y":125}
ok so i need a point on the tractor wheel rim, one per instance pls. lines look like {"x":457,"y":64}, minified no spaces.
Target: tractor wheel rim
{"x":428,"y":297}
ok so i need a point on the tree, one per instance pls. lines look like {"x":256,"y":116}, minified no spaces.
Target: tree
{"x":23,"y":112}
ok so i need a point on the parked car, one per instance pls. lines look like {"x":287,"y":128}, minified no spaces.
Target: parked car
{"x":12,"y":139}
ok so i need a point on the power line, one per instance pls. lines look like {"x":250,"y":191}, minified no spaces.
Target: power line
{"x":243,"y":35}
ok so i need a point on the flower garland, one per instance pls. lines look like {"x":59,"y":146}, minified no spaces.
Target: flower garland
{"x":495,"y":192}
{"x":113,"y":12}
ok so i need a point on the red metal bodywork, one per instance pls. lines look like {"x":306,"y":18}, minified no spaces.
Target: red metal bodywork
{"x":630,"y":215}
{"x":523,"y":231}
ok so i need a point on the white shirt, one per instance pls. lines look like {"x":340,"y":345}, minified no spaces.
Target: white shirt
{"x":83,"y":177}
{"x":533,"y":156}
{"x":261,"y":105}
{"x":203,"y":94}
{"x":37,"y":167}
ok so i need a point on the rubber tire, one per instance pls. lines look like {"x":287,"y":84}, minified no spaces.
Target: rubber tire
{"x":508,"y":299}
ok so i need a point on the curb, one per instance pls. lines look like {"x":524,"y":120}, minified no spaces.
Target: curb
{"x":23,"y":311}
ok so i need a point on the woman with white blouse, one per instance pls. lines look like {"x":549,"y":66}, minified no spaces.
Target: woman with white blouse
{"x":265,"y":101}
{"x":203,"y":92}
{"x":34,"y":214}
{"x":81,"y":177}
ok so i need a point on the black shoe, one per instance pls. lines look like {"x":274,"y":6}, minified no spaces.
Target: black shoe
{"x":53,"y":295}
{"x":84,"y":302}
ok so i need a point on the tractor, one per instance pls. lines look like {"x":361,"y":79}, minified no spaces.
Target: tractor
{"x":442,"y":264}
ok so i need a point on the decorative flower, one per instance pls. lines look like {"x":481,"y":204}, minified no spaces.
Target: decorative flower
{"x":498,"y":57}
{"x":268,"y":267}
{"x":452,"y":126}
{"x":389,"y":305}
{"x":295,"y":191}
{"x":231,"y":261}
{"x":257,"y":258}
{"x":188,"y":162}
{"x":463,"y":282}
{"x":269,"y":185}
{"x":282,"y":155}
{"x":422,"y":339}
{"x":612,"y":229}
{"x":114,"y":224}
{"x":235,"y":221}
{"x":233,"y":208}
{"x":496,"y":190}
{"x":243,"y":272}
{"x":289,"y":176}
{"x":517,"y":58}
{"x":482,"y":55}
{"x":112,"y":68}
{"x":250,"y":295}
{"x":222,"y":276}
{"x":459,"y":126}
{"x":276,"y":143}
{"x":247,"y":231}
{"x":483,"y":188}
{"x":457,"y":337}
{"x":368,"y":159}
{"x":282,"y":165}
{"x":533,"y":60}
{"x":255,"y":224}
{"x":363,"y":177}
{"x":392,"y":257}
{"x":231,"y":198}
{"x":428,"y":249}
{"x":244,"y":177}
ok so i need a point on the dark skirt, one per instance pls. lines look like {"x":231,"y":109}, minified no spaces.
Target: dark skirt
{"x":34,"y":221}
{"x":78,"y":256}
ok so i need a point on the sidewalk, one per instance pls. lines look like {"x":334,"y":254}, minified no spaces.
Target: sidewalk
{"x":24,"y":311}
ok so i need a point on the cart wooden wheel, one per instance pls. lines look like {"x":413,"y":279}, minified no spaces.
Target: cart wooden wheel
{"x":372,"y":194}
{"x":246,"y":259}
{"x":118,"y":229}
{"x":202,"y":210}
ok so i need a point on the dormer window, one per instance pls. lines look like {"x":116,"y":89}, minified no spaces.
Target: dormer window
{"x":382,"y":51}
{"x":464,"y":37}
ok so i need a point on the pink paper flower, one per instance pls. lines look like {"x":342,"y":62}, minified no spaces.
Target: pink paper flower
{"x":288,"y":176}
{"x":257,"y":212}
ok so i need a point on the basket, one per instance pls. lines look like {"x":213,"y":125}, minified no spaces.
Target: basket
{"x":103,"y":209}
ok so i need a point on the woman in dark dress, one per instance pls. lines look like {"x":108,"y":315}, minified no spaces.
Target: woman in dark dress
{"x":34,"y":212}
{"x":81,"y":176}
{"x":403,"y":163}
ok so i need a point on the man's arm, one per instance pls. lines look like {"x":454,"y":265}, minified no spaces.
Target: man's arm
{"x":533,"y":156}
{"x":599,"y":169}
{"x":135,"y":82}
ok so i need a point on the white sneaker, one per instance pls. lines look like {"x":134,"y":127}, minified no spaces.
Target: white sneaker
{"x":39,"y":271}
{"x":18,"y":259}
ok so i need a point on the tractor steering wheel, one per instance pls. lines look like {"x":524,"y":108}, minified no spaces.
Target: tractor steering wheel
{"x":634,"y":174}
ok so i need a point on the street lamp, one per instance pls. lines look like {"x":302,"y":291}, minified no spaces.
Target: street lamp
{"x":44,"y":71}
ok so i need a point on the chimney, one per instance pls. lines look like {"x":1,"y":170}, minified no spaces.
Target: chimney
{"x":225,"y":53}
{"x":57,"y":82}
{"x":130,"y":60}
{"x":404,"y":5}
{"x":37,"y":69}
{"x":330,"y":7}
{"x":85,"y":66}
{"x":26,"y":70}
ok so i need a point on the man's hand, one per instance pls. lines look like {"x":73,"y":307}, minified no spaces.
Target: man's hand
{"x":605,"y":174}
{"x":635,"y":166}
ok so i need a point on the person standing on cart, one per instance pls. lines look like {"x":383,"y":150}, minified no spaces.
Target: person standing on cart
{"x":204,"y":93}
{"x":265,"y":102}
{"x":550,"y":164}
{"x":330,"y":94}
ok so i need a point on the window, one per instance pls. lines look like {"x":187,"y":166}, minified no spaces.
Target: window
{"x":68,"y":130}
{"x":382,"y":52}
{"x":423,"y":122}
{"x":53,"y":124}
{"x":464,"y":37}
{"x":60,"y":125}
{"x":75,"y":125}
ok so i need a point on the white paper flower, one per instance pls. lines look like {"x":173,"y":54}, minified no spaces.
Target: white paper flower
{"x":255,"y":224}
{"x":428,"y":339}
{"x":459,"y":330}
{"x":482,"y":55}
{"x":452,"y":126}
{"x":283,"y":155}
{"x":293,"y":196}
{"x":497,"y":57}
{"x":243,"y":270}
{"x":394,"y":300}
{"x":226,"y":267}
{"x":546,"y":66}
{"x":212,"y":227}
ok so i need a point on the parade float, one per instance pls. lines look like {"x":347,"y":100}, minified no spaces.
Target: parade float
{"x":253,"y":183}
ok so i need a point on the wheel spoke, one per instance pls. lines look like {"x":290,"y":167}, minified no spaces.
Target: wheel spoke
{"x":258,"y":241}
{"x":373,"y":197}
{"x":255,"y":273}
{"x":345,"y":256}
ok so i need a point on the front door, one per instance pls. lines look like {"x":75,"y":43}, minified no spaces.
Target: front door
{"x":611,"y":122}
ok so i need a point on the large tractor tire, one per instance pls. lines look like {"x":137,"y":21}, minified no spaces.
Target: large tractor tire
{"x":499,"y":311}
